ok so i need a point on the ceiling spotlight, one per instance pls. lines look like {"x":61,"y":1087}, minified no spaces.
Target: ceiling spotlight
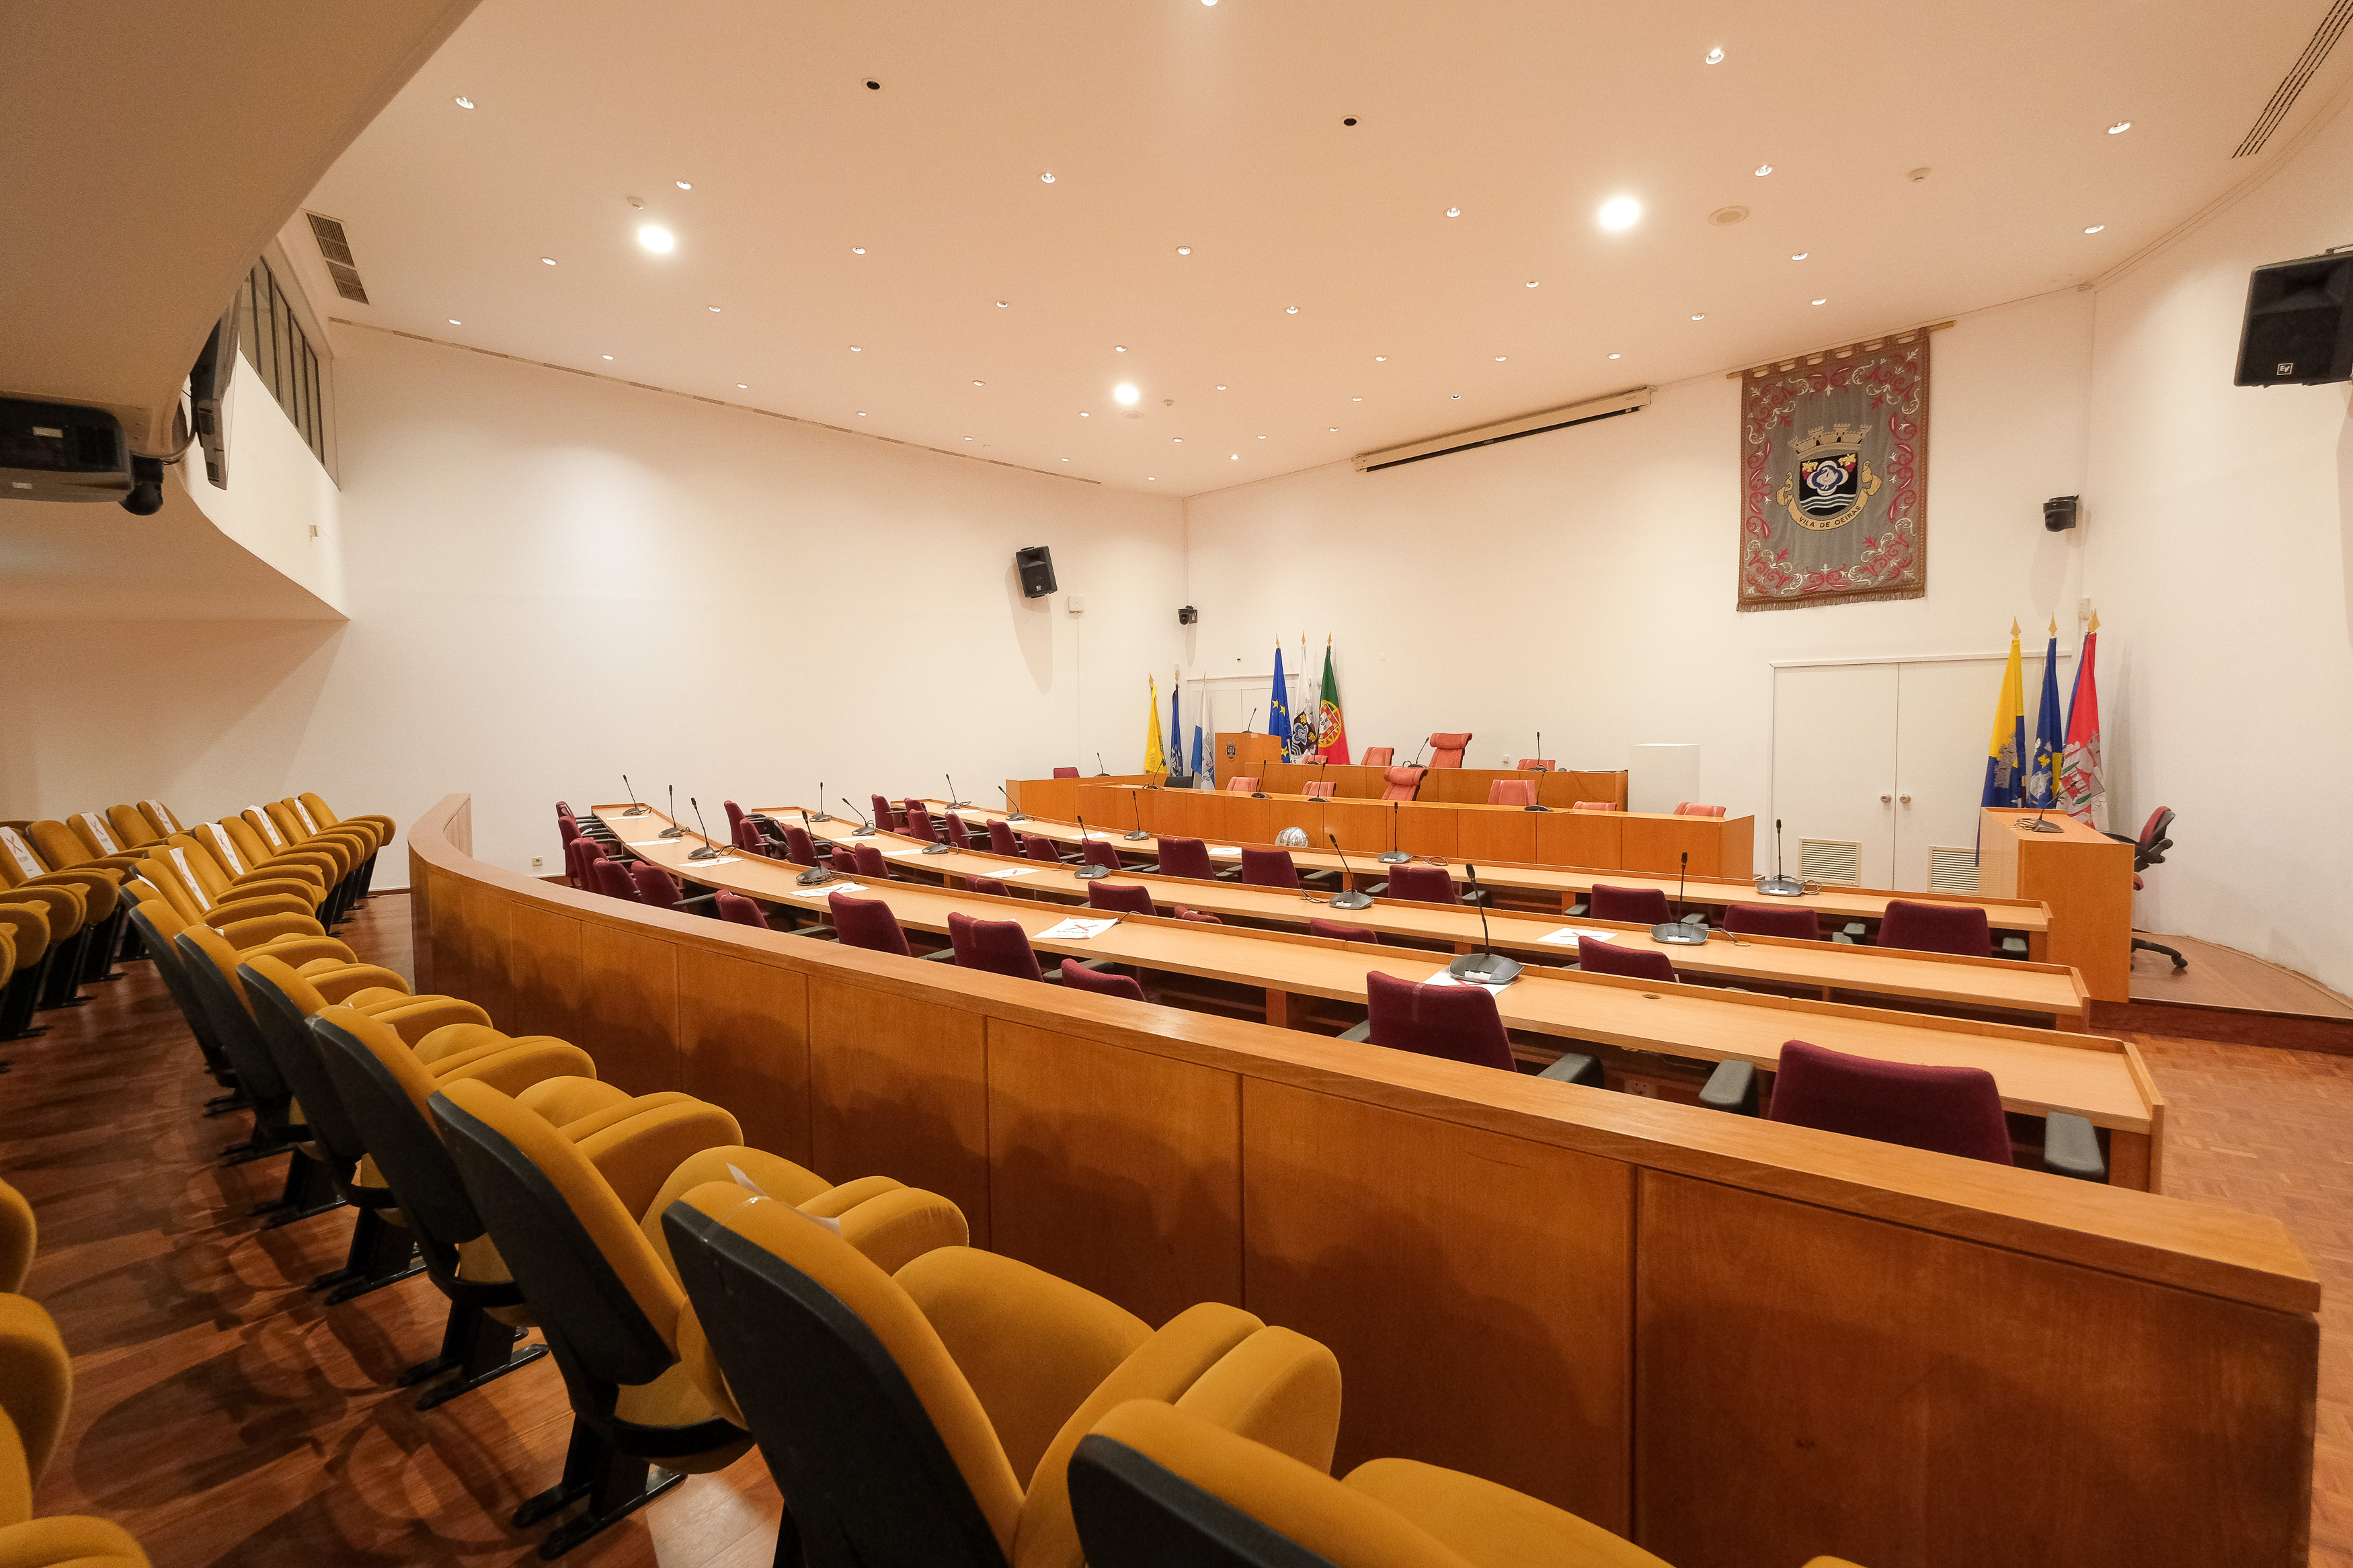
{"x":658,"y":239}
{"x":1619,"y":212}
{"x":861,"y":414}
{"x":1335,"y":429}
{"x":1499,"y":359}
{"x":1237,"y":456}
{"x":1083,"y":413}
{"x":743,"y":386}
{"x":1177,"y":439}
{"x":1150,"y":477}
{"x":1262,"y":437}
{"x":1290,"y":310}
{"x":1763,"y":170}
{"x":1066,"y":460}
{"x":1715,"y":57}
{"x":1119,"y":348}
{"x":1699,"y":315}
{"x":980,"y":383}
{"x":1800,"y":255}
{"x":683,"y":185}
{"x":2096,"y":228}
{"x":874,"y":87}
{"x":1222,"y":387}
{"x":455,"y":322}
{"x":968,"y":437}
{"x":1184,"y":250}
{"x":1046,"y":179}
{"x":1453,"y":211}
{"x":2118,"y":129}
{"x":714,"y":310}
{"x":1821,"y":301}
{"x":1355,"y":400}
{"x":1532,"y":282}
{"x":857,"y":251}
{"x":465,"y":103}
{"x":1004,"y":304}
{"x":1381,"y":359}
{"x":856,"y":350}
{"x":547,"y":262}
{"x":608,"y":356}
{"x":1613,"y":356}
{"x":1123,"y":395}
{"x":1458,"y":397}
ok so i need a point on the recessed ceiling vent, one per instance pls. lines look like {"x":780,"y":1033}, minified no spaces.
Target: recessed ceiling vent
{"x":2282,"y":98}
{"x":337,"y":250}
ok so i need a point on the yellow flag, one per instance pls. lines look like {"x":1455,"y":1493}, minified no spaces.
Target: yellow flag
{"x":1155,"y":759}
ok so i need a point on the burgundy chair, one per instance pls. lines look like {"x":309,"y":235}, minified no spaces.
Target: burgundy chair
{"x":959,"y":834}
{"x":1935,"y":928}
{"x":1128,"y":899}
{"x":1196,"y":916}
{"x":1538,"y":765}
{"x":1099,"y":852}
{"x":748,"y":837}
{"x":1377,"y":757}
{"x":1066,"y":773}
{"x":868,"y":923}
{"x":1446,"y":751}
{"x":799,"y":847}
{"x":867,"y":861}
{"x":1694,"y":808}
{"x":989,"y":885}
{"x":576,"y":856}
{"x":1423,"y":885}
{"x":1339,"y":933}
{"x":1268,"y":869}
{"x":1241,"y":786}
{"x":656,"y":888}
{"x":1040,"y":848}
{"x":1079,"y":977}
{"x":1634,"y":963}
{"x":1001,"y":840}
{"x":1760,"y":919}
{"x":612,"y":881}
{"x":919,"y":824}
{"x":1457,"y":1022}
{"x":741,"y":910}
{"x":1512,"y":792}
{"x":1400,"y":784}
{"x":1635,"y":906}
{"x":999,"y":947}
{"x":2149,"y":849}
{"x":1186,"y":858}
{"x":843,"y":859}
{"x":735,"y":821}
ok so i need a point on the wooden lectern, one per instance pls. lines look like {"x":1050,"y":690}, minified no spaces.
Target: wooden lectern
{"x":2082,"y":873}
{"x":1242,"y":749}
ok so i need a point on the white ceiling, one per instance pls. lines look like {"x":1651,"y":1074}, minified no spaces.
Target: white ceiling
{"x":1170,"y":122}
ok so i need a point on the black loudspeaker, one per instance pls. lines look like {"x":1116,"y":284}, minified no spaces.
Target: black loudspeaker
{"x":2299,"y":330}
{"x":2058,"y":513}
{"x":1036,"y":565}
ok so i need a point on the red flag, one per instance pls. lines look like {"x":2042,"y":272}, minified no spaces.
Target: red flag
{"x":2079,"y":774}
{"x":1330,"y":726}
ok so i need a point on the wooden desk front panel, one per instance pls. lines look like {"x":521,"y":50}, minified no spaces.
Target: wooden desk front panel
{"x":2087,"y":879}
{"x":1564,"y":788}
{"x":1496,"y":834}
{"x":1581,"y":838}
{"x":1718,"y":847}
{"x":1250,"y":750}
{"x":1468,"y":786}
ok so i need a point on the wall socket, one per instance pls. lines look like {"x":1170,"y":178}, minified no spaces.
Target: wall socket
{"x":1076,"y":604}
{"x":535,"y":862}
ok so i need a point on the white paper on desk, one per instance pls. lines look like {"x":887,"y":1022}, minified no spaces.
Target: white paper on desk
{"x":902,"y":854}
{"x":824,"y":889}
{"x":1566,"y":935}
{"x":647,"y":843}
{"x":1020,"y":871}
{"x":1224,"y":849}
{"x":1443,"y":978}
{"x":1075,"y":930}
{"x":713,"y":860}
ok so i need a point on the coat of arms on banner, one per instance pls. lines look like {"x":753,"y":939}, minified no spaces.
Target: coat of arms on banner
{"x":1833,"y":475}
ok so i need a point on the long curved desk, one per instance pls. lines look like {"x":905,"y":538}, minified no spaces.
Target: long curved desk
{"x":1733,"y":1341}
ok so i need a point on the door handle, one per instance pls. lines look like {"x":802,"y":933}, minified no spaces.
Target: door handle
{"x":1883,"y":800}
{"x":1907,"y":800}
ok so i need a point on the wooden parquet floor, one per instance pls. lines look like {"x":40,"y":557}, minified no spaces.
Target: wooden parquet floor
{"x":227,"y":1417}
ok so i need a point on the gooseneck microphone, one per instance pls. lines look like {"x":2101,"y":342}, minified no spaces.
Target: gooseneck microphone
{"x":1417,"y":753}
{"x":1682,"y":934}
{"x":1350,"y":898}
{"x":674,"y":830}
{"x":954,"y":804}
{"x":1393,"y":855}
{"x":1539,"y":756}
{"x":1100,"y":772}
{"x":1487,"y":967}
{"x":816,"y":873}
{"x":1137,"y":831}
{"x":1012,"y":813}
{"x":1777,"y":885}
{"x":637,"y":807}
{"x":822,"y":815}
{"x":1088,"y":871}
{"x":864,"y":830}
{"x":709,"y":851}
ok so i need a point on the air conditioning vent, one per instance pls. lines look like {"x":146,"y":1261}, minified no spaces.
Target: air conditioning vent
{"x":1952,"y":870}
{"x":1833,"y":862}
{"x":2282,"y":98}
{"x":336,"y":247}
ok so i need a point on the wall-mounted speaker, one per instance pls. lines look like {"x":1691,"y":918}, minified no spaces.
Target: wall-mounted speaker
{"x":1186,"y":614}
{"x":1036,"y":565}
{"x":2299,"y":327}
{"x":2058,"y":513}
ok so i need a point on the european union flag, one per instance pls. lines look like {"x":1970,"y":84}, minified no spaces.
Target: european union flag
{"x":2041,"y":785}
{"x":1277,"y":713}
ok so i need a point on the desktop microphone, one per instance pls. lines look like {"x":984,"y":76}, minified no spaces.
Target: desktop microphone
{"x":1351,"y":899}
{"x":1682,"y":934}
{"x":822,"y":815}
{"x":864,"y":830}
{"x":816,"y":873}
{"x":1539,"y":756}
{"x":1012,"y":815}
{"x":1417,"y":753}
{"x":1100,"y":772}
{"x":1393,"y":855}
{"x":709,"y":851}
{"x":1089,"y":871}
{"x":673,"y":831}
{"x":1777,"y":885}
{"x":2036,"y":824}
{"x":954,"y":804}
{"x":1487,"y":966}
{"x":637,"y":809}
{"x":1137,"y":832}
{"x":1248,"y":721}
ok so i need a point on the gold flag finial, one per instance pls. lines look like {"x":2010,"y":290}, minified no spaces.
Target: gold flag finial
{"x":2095,"y":620}
{"x":2054,"y":625}
{"x":2013,"y":628}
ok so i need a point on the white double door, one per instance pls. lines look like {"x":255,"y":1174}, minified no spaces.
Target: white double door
{"x":1888,"y":756}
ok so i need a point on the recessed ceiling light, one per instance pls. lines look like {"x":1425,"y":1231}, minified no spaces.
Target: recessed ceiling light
{"x":714,"y":310}
{"x":455,"y":322}
{"x":1184,"y":250}
{"x":1119,"y":348}
{"x":857,"y":251}
{"x":856,"y":350}
{"x":1800,"y":255}
{"x":1763,"y":170}
{"x":1355,"y":400}
{"x":2096,"y":228}
{"x":1221,"y":388}
{"x":683,"y":185}
{"x":1613,"y":356}
{"x":1122,"y":394}
{"x":1453,"y":211}
{"x":1262,"y":437}
{"x":1532,"y":282}
{"x":1083,"y":413}
{"x":2118,"y":129}
{"x":1179,"y":440}
{"x":1004,"y":304}
{"x":874,"y":87}
{"x":968,"y":437}
{"x":1458,"y":397}
{"x":861,"y":414}
{"x":608,"y":356}
{"x":658,"y":239}
{"x":1499,"y":359}
{"x":980,"y":383}
{"x":1715,"y":57}
{"x":1237,"y":456}
{"x":1335,"y":429}
{"x":1290,"y":310}
{"x":465,"y":103}
{"x":1148,"y":479}
{"x":1699,"y":315}
{"x":1350,"y":121}
{"x":1046,"y":179}
{"x":1619,"y":212}
{"x":743,"y":386}
{"x":547,"y":262}
{"x":1066,"y":460}
{"x":1821,"y":301}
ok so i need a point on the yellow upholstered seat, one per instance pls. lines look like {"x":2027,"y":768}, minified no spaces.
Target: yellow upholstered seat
{"x":36,"y":1388}
{"x":19,"y":1236}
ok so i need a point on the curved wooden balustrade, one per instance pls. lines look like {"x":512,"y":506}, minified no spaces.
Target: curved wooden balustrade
{"x":1738,"y":1342}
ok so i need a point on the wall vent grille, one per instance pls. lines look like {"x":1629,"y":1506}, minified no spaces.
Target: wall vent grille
{"x":2282,"y":98}
{"x":1833,"y":862}
{"x":1952,"y":870}
{"x":336,"y":247}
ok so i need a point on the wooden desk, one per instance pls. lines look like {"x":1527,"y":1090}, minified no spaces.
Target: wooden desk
{"x":2038,"y":1071}
{"x":1559,"y":789}
{"x":2085,"y":876}
{"x":1059,"y":797}
{"x":1240,"y":752}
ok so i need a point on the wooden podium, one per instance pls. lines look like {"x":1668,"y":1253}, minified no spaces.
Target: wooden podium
{"x":2083,"y":874}
{"x":1239,"y":749}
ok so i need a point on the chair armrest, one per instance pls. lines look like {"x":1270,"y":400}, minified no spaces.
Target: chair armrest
{"x":943,"y":955}
{"x":2072,"y":1148}
{"x":1376,"y":890}
{"x":2013,"y":947}
{"x":1362,"y":1033}
{"x":1321,"y":878}
{"x":1731,"y":1087}
{"x":1231,"y":874}
{"x":821,"y":933}
{"x":1575,"y":1066}
{"x":1576,"y":909}
{"x":1099,"y":965}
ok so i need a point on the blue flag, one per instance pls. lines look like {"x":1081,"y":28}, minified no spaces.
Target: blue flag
{"x":1176,"y":730}
{"x":2041,"y":782}
{"x":1278,"y":713}
{"x":1198,"y":758}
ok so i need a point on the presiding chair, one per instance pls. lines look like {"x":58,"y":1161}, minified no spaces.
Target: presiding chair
{"x":1594,"y":805}
{"x":1512,"y":792}
{"x":1538,"y":765}
{"x":1694,"y":808}
{"x":1377,"y":757}
{"x":1446,"y":751}
{"x":1241,"y":786}
{"x":2148,"y":850}
{"x":1401,"y":783}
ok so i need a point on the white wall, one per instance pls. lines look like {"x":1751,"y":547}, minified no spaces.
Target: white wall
{"x":278,"y":493}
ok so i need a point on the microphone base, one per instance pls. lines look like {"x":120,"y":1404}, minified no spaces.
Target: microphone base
{"x":1352,"y":899}
{"x":703,"y":854}
{"x":1019,"y":817}
{"x":2037,"y":824}
{"x":814,"y":878}
{"x":1394,"y":856}
{"x":1680,"y":935}
{"x":1536,"y":808}
{"x":635,"y":811}
{"x":671,"y":833}
{"x":935,"y":849}
{"x":1138,"y":834}
{"x":1258,"y":794}
{"x":1782,"y":887}
{"x":861,"y":833}
{"x":1092,"y":873}
{"x":1486,"y":968}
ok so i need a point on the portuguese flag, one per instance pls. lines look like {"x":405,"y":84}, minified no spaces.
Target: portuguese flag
{"x":1330,"y":725}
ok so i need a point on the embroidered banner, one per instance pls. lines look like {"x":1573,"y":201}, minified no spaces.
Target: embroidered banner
{"x":1833,"y":475}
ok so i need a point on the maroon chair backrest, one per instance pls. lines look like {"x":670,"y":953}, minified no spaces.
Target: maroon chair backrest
{"x":1694,"y":808}
{"x":1458,"y":1022}
{"x":611,"y":881}
{"x":1268,"y":869}
{"x":1001,"y":839}
{"x":1040,"y":848}
{"x":747,"y":835}
{"x":1000,"y":947}
{"x":869,"y":862}
{"x":1378,"y":756}
{"x":741,"y":910}
{"x":959,"y":835}
{"x":2153,"y":828}
{"x":1935,"y":928}
{"x":1184,"y":857}
{"x":563,"y":808}
{"x":1126,"y":897}
{"x":1399,"y":783}
{"x":1240,"y":786}
{"x":569,"y":825}
{"x":1339,"y":933}
{"x":1538,"y":765}
{"x":1634,"y":963}
{"x":1079,"y":977}
{"x":1761,"y":920}
{"x":1196,"y":916}
{"x":868,"y":923}
{"x":919,"y":824}
{"x":1423,"y":885}
{"x":1099,"y":852}
{"x":799,"y":847}
{"x":1952,"y":1110}
{"x":576,"y":856}
{"x":1066,"y":773}
{"x":735,"y":819}
{"x":989,"y":885}
{"x":655,"y":886}
{"x":1446,"y":751}
{"x":1512,"y":792}
{"x":1635,"y":906}
{"x":843,"y":860}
